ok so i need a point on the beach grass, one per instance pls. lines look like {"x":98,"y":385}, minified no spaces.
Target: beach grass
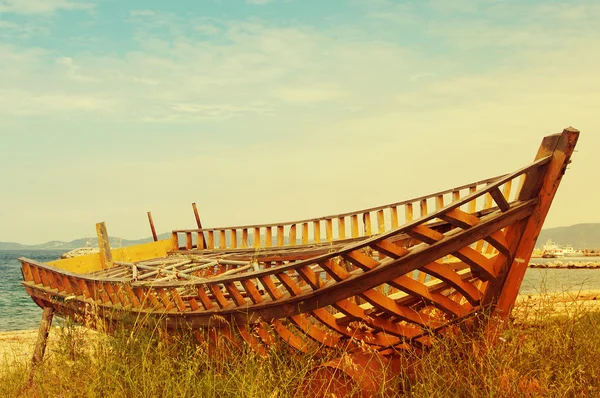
{"x":543,"y":352}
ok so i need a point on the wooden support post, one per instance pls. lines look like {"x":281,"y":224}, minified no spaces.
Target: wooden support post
{"x":154,"y":236}
{"x":42,"y":339}
{"x":104,"y":245}
{"x":201,"y":242}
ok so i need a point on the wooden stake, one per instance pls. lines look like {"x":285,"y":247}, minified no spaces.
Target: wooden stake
{"x":154,"y":236}
{"x":201,"y":244}
{"x":42,"y":339}
{"x":104,"y":245}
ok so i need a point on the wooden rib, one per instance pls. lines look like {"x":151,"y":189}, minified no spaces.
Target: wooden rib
{"x":27,"y":275}
{"x":66,"y":283}
{"x":288,"y":283}
{"x":380,"y":222}
{"x":111,"y":293}
{"x":256,"y":238}
{"x":332,"y":268}
{"x":425,"y":234}
{"x":317,"y":231}
{"x":499,"y":199}
{"x":178,"y":300}
{"x":313,"y":331}
{"x":287,"y":336}
{"x":245,"y":237}
{"x":35,"y":272}
{"x":310,"y":277}
{"x":268,"y":236}
{"x":361,"y":260}
{"x":280,"y":241}
{"x":460,"y":218}
{"x":439,"y":202}
{"x":305,"y":233}
{"x":481,"y":264}
{"x":443,"y":272}
{"x":293,"y":234}
{"x":384,"y":303}
{"x":423,"y":207}
{"x":204,"y":299}
{"x":252,"y":291}
{"x":421,"y":291}
{"x":251,"y":340}
{"x":394,"y":216}
{"x":175,"y":240}
{"x":389,"y":249}
{"x":354,"y":225}
{"x":235,"y":294}
{"x":233,"y":233}
{"x":222,"y":239}
{"x":200,"y":239}
{"x":329,"y":229}
{"x":342,"y":227}
{"x":219,"y":296}
{"x":188,"y":240}
{"x":408,"y":211}
{"x":472,"y":203}
{"x":131,"y":296}
{"x":367,"y":223}
{"x":83,"y":288}
{"x":356,"y":312}
{"x":506,"y":189}
{"x":211,"y":240}
{"x":455,"y":196}
{"x":498,"y":240}
{"x":270,"y":287}
{"x":162,"y":294}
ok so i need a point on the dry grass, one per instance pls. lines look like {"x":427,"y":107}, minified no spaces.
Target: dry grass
{"x":540,"y":354}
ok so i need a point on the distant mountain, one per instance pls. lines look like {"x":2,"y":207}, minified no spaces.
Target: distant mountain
{"x":581,"y":236}
{"x":77,"y":243}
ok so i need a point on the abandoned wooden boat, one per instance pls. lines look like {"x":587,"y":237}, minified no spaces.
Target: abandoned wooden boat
{"x":387,"y":276}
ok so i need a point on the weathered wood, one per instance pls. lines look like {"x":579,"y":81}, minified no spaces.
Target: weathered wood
{"x":104,"y":245}
{"x":201,"y":240}
{"x":42,"y":338}
{"x":154,"y":236}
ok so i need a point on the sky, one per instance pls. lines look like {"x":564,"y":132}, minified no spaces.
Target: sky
{"x":271,"y":110}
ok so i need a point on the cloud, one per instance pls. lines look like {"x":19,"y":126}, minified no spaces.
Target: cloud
{"x":259,"y":2}
{"x":42,"y":6}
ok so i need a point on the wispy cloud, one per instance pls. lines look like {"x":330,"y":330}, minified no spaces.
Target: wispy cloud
{"x":259,"y":2}
{"x":42,"y":6}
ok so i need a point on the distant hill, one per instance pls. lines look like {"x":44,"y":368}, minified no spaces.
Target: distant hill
{"x":77,"y":243}
{"x":581,"y":236}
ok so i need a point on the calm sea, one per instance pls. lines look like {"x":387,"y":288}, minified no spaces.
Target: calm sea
{"x":18,"y":312}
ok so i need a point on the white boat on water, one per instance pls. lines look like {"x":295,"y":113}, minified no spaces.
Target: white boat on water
{"x":552,"y":250}
{"x":569,"y":251}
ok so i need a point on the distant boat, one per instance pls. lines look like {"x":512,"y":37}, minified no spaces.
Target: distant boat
{"x":569,"y":251}
{"x":552,"y":250}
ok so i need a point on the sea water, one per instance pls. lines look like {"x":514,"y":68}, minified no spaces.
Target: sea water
{"x":19,"y":312}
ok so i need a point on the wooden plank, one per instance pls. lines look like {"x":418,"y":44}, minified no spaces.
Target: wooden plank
{"x":361,"y":260}
{"x":222,"y":239}
{"x":204,"y":299}
{"x":256,"y":238}
{"x":473,"y":203}
{"x":175,"y":241}
{"x":332,"y":268}
{"x":460,"y":218}
{"x":104,"y":246}
{"x":235,"y":294}
{"x":162,"y":294}
{"x":329,"y":229}
{"x":425,"y":234}
{"x":444,"y":273}
{"x":188,"y":241}
{"x":310,"y":277}
{"x":233,"y":234}
{"x":270,"y":287}
{"x":439,"y":202}
{"x":423,"y":207}
{"x":288,"y":283}
{"x":389,"y":249}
